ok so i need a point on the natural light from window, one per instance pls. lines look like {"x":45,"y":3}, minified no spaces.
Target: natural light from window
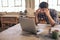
{"x":53,"y":4}
{"x":12,"y":5}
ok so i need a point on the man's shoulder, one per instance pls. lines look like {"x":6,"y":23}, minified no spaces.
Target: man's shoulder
{"x":53,"y":11}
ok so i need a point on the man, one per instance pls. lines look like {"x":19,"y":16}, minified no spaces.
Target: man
{"x":49,"y":15}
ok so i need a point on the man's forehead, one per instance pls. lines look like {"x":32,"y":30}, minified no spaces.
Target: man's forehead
{"x":43,"y":8}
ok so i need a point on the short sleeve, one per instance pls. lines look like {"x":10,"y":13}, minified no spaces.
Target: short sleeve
{"x":55,"y":16}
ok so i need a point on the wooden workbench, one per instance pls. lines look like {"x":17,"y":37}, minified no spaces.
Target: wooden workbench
{"x":7,"y":20}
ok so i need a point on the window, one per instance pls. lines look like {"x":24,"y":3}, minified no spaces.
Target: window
{"x":52,"y":4}
{"x":4,"y":3}
{"x":12,"y":5}
{"x":58,"y":2}
{"x":17,"y":3}
{"x":0,"y":3}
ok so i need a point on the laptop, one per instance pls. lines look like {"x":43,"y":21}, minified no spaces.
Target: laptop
{"x":28,"y":25}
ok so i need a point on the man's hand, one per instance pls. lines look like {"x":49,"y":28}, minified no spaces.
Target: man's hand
{"x":47,"y":12}
{"x":38,"y":11}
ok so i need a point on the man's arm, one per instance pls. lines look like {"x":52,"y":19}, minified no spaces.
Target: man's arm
{"x":55,"y":16}
{"x":47,"y":12}
{"x":36,"y":16}
{"x":52,"y":22}
{"x":36,"y":19}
